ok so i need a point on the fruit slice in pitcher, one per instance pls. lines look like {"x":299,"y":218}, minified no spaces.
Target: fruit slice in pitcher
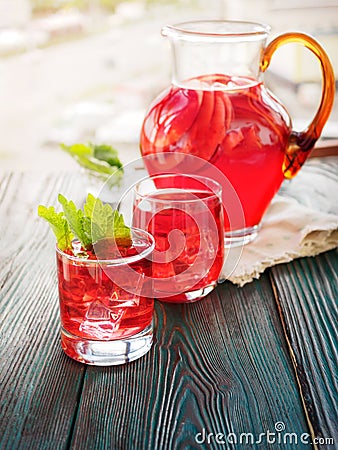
{"x":170,"y":118}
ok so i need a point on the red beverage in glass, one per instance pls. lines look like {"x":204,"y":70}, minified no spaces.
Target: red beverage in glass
{"x":231,"y":122}
{"x":101,"y":300}
{"x":187,"y":225}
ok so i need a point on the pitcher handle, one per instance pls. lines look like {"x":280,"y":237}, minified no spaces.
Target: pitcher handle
{"x":302,"y":142}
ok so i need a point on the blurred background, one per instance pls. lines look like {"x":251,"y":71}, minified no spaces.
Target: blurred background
{"x":86,"y":70}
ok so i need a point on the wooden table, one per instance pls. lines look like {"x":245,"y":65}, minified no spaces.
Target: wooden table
{"x":252,"y":367}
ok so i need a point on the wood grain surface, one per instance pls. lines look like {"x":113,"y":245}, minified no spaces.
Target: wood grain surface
{"x":308,"y":300}
{"x":219,"y":365}
{"x":219,"y":371}
{"x":39,"y":386}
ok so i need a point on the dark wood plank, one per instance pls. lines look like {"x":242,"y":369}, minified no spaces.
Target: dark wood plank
{"x":219,"y":365}
{"x":307,"y":294}
{"x":39,"y":384}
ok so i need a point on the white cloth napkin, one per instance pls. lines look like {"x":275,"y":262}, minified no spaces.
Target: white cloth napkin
{"x":301,"y":221}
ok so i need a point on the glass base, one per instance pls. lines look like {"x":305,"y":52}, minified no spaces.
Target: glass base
{"x":240,"y":237}
{"x":107,"y":353}
{"x":189,"y":297}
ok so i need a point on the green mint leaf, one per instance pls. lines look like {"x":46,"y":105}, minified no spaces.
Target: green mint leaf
{"x":77,"y":221}
{"x":118,"y":229}
{"x":77,"y":149}
{"x":122,"y":236}
{"x":102,"y":159}
{"x":105,"y":221}
{"x":108,"y":154}
{"x":97,"y":221}
{"x":59,"y":226}
{"x":97,"y":215}
{"x":98,"y":166}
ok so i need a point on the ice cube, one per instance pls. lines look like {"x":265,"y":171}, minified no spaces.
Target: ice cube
{"x":100,"y":322}
{"x":121,"y":299}
{"x":97,"y":311}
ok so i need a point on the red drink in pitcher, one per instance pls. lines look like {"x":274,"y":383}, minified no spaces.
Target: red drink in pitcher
{"x":218,"y":109}
{"x":229,"y":122}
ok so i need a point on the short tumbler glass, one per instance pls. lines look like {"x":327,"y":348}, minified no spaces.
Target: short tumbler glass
{"x":105,"y":317}
{"x":184,"y":213}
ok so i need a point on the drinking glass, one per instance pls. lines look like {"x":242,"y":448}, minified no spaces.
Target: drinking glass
{"x":105,"y":317}
{"x":184,"y":214}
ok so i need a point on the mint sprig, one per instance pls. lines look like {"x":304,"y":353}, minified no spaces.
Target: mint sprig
{"x":78,"y":222}
{"x":95,"y":222}
{"x":59,"y":225}
{"x":102,"y":159}
{"x":105,"y":221}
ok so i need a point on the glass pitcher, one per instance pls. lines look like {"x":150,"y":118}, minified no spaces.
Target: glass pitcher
{"x":218,"y":110}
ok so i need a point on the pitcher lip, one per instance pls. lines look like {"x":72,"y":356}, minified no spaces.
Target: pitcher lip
{"x":181,"y":28}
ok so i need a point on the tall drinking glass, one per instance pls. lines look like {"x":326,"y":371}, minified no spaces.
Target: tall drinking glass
{"x":184,"y":214}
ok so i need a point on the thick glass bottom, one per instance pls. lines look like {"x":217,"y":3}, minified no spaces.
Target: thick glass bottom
{"x":240,"y":237}
{"x":107,"y":353}
{"x":189,"y":297}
